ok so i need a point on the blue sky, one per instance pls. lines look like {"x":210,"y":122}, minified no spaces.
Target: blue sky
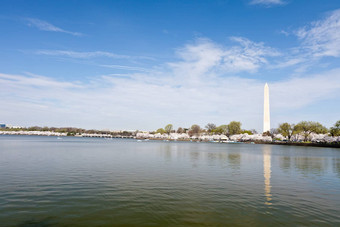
{"x":143,"y":64}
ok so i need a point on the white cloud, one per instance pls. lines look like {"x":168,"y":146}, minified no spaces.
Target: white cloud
{"x":45,"y":26}
{"x":200,"y":87}
{"x":322,"y":37}
{"x":267,"y":2}
{"x":205,"y":57}
{"x":299,"y":92}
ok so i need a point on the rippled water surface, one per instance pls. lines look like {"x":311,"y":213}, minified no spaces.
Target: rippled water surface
{"x":45,"y":181}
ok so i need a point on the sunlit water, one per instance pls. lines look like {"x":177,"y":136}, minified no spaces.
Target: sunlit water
{"x":45,"y":181}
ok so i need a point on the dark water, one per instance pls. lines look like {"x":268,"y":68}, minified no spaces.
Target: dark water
{"x":96,"y":182}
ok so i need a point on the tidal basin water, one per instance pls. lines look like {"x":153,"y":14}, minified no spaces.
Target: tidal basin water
{"x":46,"y":181}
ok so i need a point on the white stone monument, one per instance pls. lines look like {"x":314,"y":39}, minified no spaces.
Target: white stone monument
{"x":266,"y":113}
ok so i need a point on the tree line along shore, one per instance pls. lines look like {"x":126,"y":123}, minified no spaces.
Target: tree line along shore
{"x":304,"y":132}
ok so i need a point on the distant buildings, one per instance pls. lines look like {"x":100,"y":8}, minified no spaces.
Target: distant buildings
{"x":15,"y":127}
{"x":8,"y":126}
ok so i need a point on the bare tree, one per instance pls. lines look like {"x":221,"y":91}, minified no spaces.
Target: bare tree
{"x":195,"y":129}
{"x":210,"y":127}
{"x":253,"y":131}
{"x":180,"y":130}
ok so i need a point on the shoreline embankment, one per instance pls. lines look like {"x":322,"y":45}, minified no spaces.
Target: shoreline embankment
{"x":304,"y":144}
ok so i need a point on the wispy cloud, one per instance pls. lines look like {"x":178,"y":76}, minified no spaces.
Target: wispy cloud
{"x":243,"y":56}
{"x":77,"y":54}
{"x":267,"y":2}
{"x":286,"y":33}
{"x":318,"y":39}
{"x":288,"y":63}
{"x":89,"y":54}
{"x":125,"y":67}
{"x":45,"y":26}
{"x":322,"y":37}
{"x":31,"y":79}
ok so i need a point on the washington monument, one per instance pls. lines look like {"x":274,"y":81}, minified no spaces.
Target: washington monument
{"x":266,"y":114}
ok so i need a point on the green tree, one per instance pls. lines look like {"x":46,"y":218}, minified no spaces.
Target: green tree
{"x":168,"y":128}
{"x":160,"y":130}
{"x":70,"y":134}
{"x":234,"y":127}
{"x":222,"y":129}
{"x":287,"y":130}
{"x":34,"y":128}
{"x":335,"y":131}
{"x":308,"y":127}
{"x":249,"y":132}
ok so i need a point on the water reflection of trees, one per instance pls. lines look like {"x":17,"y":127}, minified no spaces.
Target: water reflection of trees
{"x":216,"y":158}
{"x":310,"y":164}
{"x":194,"y":157}
{"x":234,"y":160}
{"x":336,"y":166}
{"x":304,"y":163}
{"x":212,"y":157}
{"x":166,"y":150}
{"x":285,"y":162}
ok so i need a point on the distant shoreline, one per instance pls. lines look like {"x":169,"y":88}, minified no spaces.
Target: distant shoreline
{"x":310,"y":144}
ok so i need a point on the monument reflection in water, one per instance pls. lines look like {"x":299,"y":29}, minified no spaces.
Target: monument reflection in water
{"x":267,"y":173}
